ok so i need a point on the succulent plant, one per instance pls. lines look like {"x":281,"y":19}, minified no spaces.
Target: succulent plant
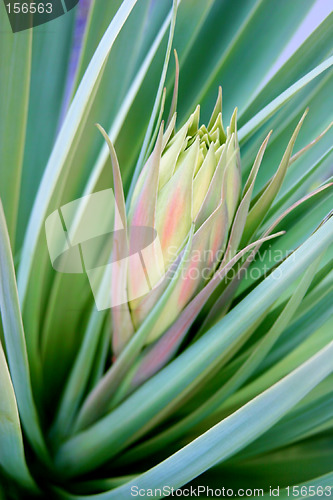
{"x":189,"y":194}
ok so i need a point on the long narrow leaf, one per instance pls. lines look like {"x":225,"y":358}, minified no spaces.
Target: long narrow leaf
{"x":15,"y":344}
{"x":61,"y":150}
{"x":252,"y":125}
{"x":12,"y":458}
{"x":15,"y":65}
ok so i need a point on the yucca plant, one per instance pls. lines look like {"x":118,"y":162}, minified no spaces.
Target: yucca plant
{"x":180,"y":338}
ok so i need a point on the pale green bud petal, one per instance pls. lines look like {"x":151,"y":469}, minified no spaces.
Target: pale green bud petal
{"x":202,"y":180}
{"x":170,"y":156}
{"x":232,"y":179}
{"x":174,"y":204}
